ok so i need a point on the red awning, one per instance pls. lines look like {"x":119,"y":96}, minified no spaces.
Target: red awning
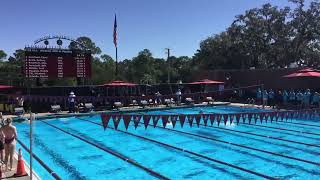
{"x":6,"y":87}
{"x":308,"y":72}
{"x":119,"y":83}
{"x":303,"y":74}
{"x":207,"y":81}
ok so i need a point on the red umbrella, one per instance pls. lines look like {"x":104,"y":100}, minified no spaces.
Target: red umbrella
{"x":308,"y":72}
{"x":207,"y":81}
{"x":119,"y":83}
{"x":6,"y":87}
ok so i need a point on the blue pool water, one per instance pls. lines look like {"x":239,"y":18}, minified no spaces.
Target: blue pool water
{"x":72,"y":158}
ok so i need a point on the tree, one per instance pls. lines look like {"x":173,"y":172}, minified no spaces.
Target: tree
{"x":3,"y":55}
{"x":87,"y":43}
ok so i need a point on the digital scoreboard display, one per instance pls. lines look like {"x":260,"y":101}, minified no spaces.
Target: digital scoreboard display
{"x":57,"y":63}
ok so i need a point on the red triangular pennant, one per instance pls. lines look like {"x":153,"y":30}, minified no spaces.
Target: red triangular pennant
{"x":198,"y":118}
{"x":116,"y":121}
{"x":256,"y":117}
{"x":164,"y":120}
{"x":225,"y":118}
{"x":238,"y":118}
{"x":126,"y":120}
{"x":190,"y":120}
{"x":250,"y":117}
{"x":155,"y":120}
{"x":231,"y":118}
{"x":136,"y":120}
{"x":205,"y":119}
{"x":146,"y":120}
{"x":218,"y":119}
{"x":105,"y":120}
{"x":182,"y":118}
{"x":174,"y":119}
{"x":212,"y":117}
{"x":244,"y":118}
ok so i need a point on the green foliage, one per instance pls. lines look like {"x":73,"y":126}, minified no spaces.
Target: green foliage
{"x":266,"y":37}
{"x":3,"y":55}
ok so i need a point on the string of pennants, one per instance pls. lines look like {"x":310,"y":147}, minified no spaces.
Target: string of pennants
{"x":206,"y":118}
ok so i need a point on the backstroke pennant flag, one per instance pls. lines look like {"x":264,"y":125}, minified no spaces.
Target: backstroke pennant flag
{"x":136,"y":120}
{"x":155,"y":120}
{"x":250,"y":117}
{"x":238,"y":118}
{"x":116,"y":120}
{"x":198,"y":118}
{"x":105,"y":120}
{"x":164,"y":120}
{"x":182,"y":118}
{"x":225,"y":119}
{"x":231,"y":118}
{"x":126,"y":120}
{"x":190,"y":120}
{"x":205,"y":119}
{"x":174,"y":119}
{"x":219,"y":116}
{"x":212,"y":117}
{"x":146,"y":120}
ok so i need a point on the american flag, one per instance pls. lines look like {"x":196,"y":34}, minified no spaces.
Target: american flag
{"x":115,"y":35}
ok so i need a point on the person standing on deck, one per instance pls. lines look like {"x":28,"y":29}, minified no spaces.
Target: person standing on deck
{"x":178,"y":93}
{"x":285,"y":97}
{"x":265,"y":98}
{"x":316,"y":99}
{"x":292,"y":97}
{"x":271,"y":98}
{"x":306,"y":99}
{"x":72,"y":102}
{"x":299,"y":96}
{"x":10,"y":136}
{"x":259,"y":96}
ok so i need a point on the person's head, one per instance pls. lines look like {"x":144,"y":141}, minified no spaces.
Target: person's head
{"x":9,"y":121}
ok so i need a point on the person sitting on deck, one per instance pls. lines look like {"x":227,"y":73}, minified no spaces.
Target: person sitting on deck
{"x":10,"y":136}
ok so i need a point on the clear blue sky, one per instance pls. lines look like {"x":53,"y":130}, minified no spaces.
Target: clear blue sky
{"x":152,"y":24}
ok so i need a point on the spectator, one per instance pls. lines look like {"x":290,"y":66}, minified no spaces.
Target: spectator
{"x":259,"y":96}
{"x":299,"y":97}
{"x":316,"y":99}
{"x":178,"y":93}
{"x":285,"y":97}
{"x":278,"y":99}
{"x":306,"y":99}
{"x":72,"y":102}
{"x":271,"y":98}
{"x":265,"y":98}
{"x":292,"y":97}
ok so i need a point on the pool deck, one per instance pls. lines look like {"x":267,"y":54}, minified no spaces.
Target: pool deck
{"x":9,"y":175}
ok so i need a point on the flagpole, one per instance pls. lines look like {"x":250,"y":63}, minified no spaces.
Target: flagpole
{"x":116,"y":61}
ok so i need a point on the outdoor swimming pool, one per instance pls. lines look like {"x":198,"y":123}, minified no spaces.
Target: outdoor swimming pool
{"x":285,"y":150}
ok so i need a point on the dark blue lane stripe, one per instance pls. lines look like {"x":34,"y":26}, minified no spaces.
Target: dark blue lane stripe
{"x":46,"y":167}
{"x":190,"y":152}
{"x":153,"y":173}
{"x":57,"y":158}
{"x":284,"y":129}
{"x":254,"y":134}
